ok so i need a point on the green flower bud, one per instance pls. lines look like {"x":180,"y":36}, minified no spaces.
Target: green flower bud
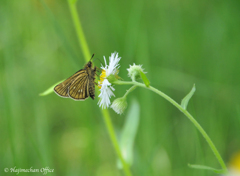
{"x":112,"y":78}
{"x":134,"y":72}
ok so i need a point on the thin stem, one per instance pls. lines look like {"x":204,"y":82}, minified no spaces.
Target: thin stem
{"x":77,"y":23}
{"x":111,"y":132}
{"x":129,"y":90}
{"x":190,"y":117}
{"x":105,"y":113}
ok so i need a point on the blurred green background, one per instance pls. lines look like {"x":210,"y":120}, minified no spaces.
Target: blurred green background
{"x":179,"y":43}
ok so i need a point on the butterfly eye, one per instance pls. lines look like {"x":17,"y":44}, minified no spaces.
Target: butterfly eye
{"x":89,"y":64}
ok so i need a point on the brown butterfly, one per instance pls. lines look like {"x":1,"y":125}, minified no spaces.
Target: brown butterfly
{"x":80,"y":85}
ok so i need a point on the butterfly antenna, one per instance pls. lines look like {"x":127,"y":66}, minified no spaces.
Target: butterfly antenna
{"x":99,"y":60}
{"x":95,"y":59}
{"x":92,"y":56}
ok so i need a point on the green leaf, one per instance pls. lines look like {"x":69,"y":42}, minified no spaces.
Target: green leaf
{"x":219,"y":171}
{"x":128,"y":133}
{"x":186,"y":99}
{"x":144,"y":78}
{"x":50,"y":89}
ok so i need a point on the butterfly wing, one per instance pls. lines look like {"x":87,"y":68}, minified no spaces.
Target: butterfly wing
{"x":79,"y":89}
{"x":62,"y":88}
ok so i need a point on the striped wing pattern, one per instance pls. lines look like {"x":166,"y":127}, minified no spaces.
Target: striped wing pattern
{"x":75,"y":87}
{"x":78,"y":90}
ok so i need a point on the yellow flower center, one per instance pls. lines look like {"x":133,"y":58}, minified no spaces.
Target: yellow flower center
{"x":102,"y":77}
{"x":235,"y":162}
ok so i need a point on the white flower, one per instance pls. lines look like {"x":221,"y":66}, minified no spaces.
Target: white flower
{"x":104,"y":85}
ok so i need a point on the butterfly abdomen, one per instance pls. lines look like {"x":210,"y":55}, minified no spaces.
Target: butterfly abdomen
{"x":92,"y":83}
{"x":92,"y":91}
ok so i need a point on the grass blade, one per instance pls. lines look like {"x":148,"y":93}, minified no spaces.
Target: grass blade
{"x":50,"y":89}
{"x":129,"y":132}
{"x":219,"y":171}
{"x":186,"y":99}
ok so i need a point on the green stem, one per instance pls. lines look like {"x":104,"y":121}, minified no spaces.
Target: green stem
{"x":105,"y":113}
{"x":79,"y":30}
{"x":190,"y":117}
{"x":129,"y":90}
{"x":111,"y":132}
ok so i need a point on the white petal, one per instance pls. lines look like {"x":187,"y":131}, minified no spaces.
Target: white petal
{"x":113,"y":64}
{"x":106,"y":93}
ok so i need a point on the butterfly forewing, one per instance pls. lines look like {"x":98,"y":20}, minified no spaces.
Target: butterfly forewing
{"x":62,"y":88}
{"x":79,"y":89}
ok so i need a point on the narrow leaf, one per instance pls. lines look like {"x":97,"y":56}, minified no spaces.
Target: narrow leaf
{"x":49,"y":90}
{"x":219,"y":171}
{"x":128,"y":133}
{"x":144,"y":78}
{"x":186,"y":99}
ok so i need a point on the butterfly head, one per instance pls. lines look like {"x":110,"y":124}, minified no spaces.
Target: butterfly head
{"x":89,"y":65}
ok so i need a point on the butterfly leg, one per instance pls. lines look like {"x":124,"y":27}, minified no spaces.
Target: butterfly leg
{"x":98,"y":85}
{"x":98,"y":69}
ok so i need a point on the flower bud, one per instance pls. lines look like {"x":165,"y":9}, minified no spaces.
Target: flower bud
{"x":134,"y":72}
{"x":119,"y":105}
